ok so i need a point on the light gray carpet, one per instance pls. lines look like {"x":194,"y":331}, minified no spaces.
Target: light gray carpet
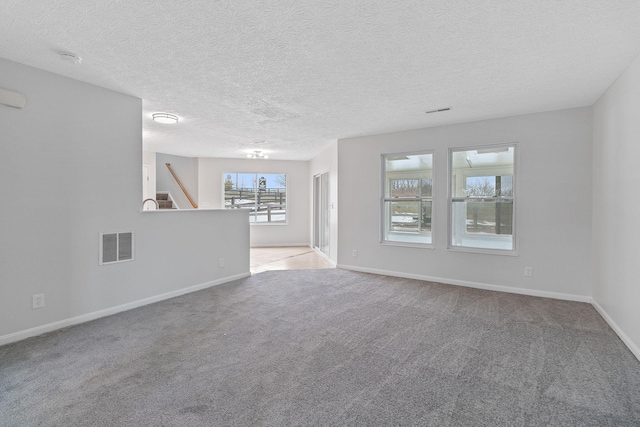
{"x":328,"y":347}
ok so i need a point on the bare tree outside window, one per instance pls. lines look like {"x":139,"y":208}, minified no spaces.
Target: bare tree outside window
{"x":281,"y":180}
{"x":489,"y":186}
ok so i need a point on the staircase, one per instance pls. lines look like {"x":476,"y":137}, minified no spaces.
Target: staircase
{"x":164,"y":202}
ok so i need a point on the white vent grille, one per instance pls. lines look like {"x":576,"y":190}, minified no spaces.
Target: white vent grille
{"x":116,"y":247}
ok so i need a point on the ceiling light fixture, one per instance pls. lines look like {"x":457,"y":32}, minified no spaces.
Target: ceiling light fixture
{"x":165,"y":118}
{"x":257,"y":154}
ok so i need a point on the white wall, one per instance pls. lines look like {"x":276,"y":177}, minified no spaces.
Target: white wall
{"x":296,"y":231}
{"x":327,"y":161}
{"x":616,"y":205}
{"x":71,"y":169}
{"x":553,"y":207}
{"x":186,"y":168}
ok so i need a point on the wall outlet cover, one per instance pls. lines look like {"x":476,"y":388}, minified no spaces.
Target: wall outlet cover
{"x":38,"y":301}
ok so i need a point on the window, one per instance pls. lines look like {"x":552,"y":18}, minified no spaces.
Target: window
{"x":407,"y":198}
{"x":263,"y":194}
{"x":482,"y":198}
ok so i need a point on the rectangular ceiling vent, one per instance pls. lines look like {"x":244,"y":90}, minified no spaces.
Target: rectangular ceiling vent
{"x":439,"y":110}
{"x":116,"y":247}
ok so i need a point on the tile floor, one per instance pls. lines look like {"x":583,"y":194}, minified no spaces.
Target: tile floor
{"x":286,"y":258}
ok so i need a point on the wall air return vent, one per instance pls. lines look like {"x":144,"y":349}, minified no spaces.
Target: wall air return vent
{"x":116,"y":247}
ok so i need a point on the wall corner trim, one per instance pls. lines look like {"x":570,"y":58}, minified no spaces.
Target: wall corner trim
{"x":39,"y":330}
{"x":625,"y":339}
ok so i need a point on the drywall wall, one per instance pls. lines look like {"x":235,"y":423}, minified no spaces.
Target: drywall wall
{"x":616,"y":205}
{"x":71,"y":169}
{"x":327,"y":161}
{"x":186,"y":169}
{"x":553,"y":206}
{"x":296,"y":231}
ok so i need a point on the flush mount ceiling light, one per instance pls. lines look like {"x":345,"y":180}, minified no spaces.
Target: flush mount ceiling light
{"x":70,"y":57}
{"x":257,"y":154}
{"x":165,"y":118}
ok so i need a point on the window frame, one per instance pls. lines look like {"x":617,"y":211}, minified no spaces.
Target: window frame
{"x":499,"y":170}
{"x":256,"y":189}
{"x":384,"y":199}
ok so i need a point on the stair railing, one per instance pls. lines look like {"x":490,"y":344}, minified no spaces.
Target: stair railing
{"x":184,"y":190}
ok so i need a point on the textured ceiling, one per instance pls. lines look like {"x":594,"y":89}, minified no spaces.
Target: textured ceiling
{"x":300,"y":74}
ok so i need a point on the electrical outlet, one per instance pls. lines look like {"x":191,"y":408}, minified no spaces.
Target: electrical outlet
{"x":37,"y":301}
{"x":355,"y":253}
{"x":528,"y":272}
{"x":221,"y":262}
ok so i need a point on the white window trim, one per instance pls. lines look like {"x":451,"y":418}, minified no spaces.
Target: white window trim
{"x":481,"y":172}
{"x":384,"y":198}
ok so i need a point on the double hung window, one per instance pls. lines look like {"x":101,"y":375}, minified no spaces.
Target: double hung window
{"x":407,"y":199}
{"x":482,"y":195}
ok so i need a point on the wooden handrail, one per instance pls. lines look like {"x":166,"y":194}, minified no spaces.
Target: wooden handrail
{"x":184,"y":190}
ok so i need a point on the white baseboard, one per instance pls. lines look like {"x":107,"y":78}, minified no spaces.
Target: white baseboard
{"x":625,"y":339}
{"x":39,"y":330}
{"x":281,"y":245}
{"x":477,"y":285}
{"x":532,"y":292}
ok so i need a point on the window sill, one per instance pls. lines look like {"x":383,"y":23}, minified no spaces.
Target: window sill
{"x":408,"y":244}
{"x":503,"y":252}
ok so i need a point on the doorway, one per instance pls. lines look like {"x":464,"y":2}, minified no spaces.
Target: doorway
{"x":286,"y":258}
{"x":321,"y":213}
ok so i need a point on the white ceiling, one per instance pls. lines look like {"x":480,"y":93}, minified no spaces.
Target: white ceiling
{"x":301,"y":74}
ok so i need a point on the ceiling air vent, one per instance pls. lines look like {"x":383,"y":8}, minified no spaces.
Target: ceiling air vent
{"x":116,"y":247}
{"x":440,"y":110}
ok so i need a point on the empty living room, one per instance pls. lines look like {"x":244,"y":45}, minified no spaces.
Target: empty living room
{"x":458,"y":180}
